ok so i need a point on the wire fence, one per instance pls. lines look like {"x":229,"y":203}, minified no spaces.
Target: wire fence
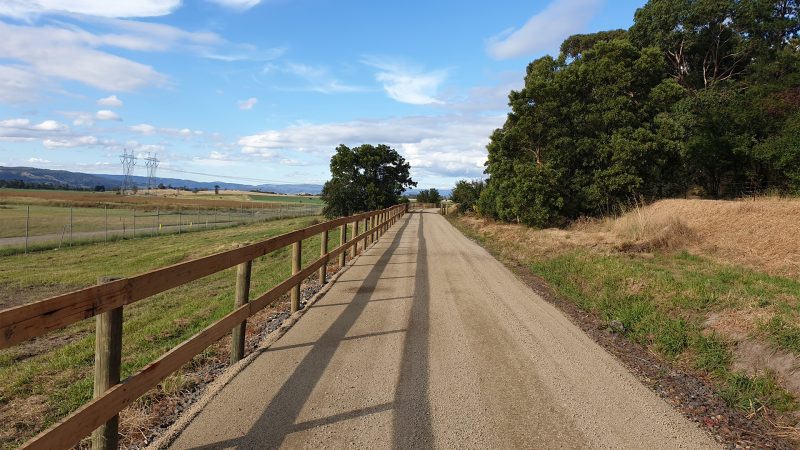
{"x":29,"y":227}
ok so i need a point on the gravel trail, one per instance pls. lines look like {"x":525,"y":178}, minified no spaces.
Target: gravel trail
{"x":428,"y":341}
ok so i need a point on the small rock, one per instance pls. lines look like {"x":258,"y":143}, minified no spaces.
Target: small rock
{"x":616,"y":326}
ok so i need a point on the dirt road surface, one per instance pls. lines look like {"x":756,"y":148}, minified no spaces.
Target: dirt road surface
{"x":427,"y":341}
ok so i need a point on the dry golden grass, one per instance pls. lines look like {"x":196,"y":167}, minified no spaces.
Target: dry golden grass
{"x":761,"y":234}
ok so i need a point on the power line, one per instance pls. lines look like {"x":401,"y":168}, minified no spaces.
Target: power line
{"x":231,"y":177}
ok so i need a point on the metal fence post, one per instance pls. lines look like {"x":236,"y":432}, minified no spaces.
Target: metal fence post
{"x":105,"y":212}
{"x":243,"y":272}
{"x":158,"y":220}
{"x":70,"y":226}
{"x":323,"y":249}
{"x":107,"y":364}
{"x":27,"y":224}
{"x":297,"y":251}
{"x":134,"y":222}
{"x":180,"y":219}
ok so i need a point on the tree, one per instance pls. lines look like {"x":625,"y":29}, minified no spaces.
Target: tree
{"x":365,"y":178}
{"x":429,"y":196}
{"x":466,"y":194}
{"x":216,"y":189}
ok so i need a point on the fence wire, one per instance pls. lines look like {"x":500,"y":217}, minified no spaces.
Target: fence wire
{"x":30,"y":227}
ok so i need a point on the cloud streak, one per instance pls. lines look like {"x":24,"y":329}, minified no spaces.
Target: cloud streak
{"x":406,"y":83}
{"x":545,"y":31}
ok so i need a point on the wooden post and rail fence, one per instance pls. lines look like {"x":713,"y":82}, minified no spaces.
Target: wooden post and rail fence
{"x":106,"y":301}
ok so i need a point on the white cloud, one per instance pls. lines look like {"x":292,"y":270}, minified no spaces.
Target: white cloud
{"x":38,"y":56}
{"x":237,"y":4}
{"x":317,"y":78}
{"x":39,"y":161}
{"x":20,"y":85}
{"x":70,"y":142}
{"x":61,"y":53}
{"x":103,"y":8}
{"x":438,"y":147}
{"x":545,"y":31}
{"x":144,"y":128}
{"x":405,"y":83}
{"x":51,"y":133}
{"x":149,"y":130}
{"x":83,"y":120}
{"x":49,"y":125}
{"x":246,"y":105}
{"x":111,"y":101}
{"x":105,"y":114}
{"x":25,"y":130}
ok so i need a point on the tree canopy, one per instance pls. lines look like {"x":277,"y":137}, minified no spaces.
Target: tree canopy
{"x":429,"y":196}
{"x":466,"y":194}
{"x":699,"y":96}
{"x":365,"y":178}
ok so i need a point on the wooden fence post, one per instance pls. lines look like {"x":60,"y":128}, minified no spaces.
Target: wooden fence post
{"x":243,"y":272}
{"x":297,"y":251}
{"x":368,"y":239}
{"x":107,"y":364}
{"x":354,"y":249}
{"x":323,"y":249}
{"x":342,"y":240}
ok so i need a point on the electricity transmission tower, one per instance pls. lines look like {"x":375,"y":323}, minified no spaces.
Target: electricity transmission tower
{"x":128,"y":161}
{"x":151,"y":162}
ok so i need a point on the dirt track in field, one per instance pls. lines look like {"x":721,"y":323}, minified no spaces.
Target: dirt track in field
{"x":428,"y":341}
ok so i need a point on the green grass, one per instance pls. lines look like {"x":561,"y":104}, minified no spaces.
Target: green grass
{"x":286,"y":199}
{"x":663,"y":299}
{"x":56,"y":220}
{"x":62,"y":376}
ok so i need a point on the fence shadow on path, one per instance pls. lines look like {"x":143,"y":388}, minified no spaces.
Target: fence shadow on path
{"x":412,"y":422}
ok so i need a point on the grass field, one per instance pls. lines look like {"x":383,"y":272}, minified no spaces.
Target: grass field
{"x":674,"y":277}
{"x":287,"y":199}
{"x":157,"y":198}
{"x":45,"y":379}
{"x":57,"y":218}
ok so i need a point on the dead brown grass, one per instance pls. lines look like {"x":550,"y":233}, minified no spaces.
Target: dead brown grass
{"x":761,"y":234}
{"x":80,"y":198}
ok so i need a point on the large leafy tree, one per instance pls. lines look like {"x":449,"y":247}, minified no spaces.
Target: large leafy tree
{"x":365,"y":178}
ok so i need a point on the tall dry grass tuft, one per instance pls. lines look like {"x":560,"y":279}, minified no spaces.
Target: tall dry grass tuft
{"x":644,"y":229}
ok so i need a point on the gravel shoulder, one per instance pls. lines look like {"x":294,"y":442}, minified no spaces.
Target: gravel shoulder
{"x":428,"y":341}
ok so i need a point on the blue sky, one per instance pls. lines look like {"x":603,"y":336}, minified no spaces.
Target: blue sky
{"x":252,"y":91}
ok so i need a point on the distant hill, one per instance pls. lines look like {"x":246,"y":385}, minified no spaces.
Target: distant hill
{"x":87,"y":180}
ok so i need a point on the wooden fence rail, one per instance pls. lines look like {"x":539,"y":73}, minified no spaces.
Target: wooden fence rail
{"x":111,"y":395}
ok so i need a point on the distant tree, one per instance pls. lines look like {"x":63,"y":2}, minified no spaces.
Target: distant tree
{"x":466,"y":194}
{"x":365,"y":178}
{"x":429,"y":196}
{"x":216,"y":189}
{"x":195,"y":190}
{"x":99,"y":188}
{"x":161,"y":186}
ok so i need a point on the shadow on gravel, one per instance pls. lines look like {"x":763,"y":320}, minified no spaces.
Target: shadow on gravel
{"x":412,"y":414}
{"x":412,"y":409}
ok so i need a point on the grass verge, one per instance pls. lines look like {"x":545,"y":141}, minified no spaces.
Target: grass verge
{"x":45,"y":379}
{"x":663,"y":300}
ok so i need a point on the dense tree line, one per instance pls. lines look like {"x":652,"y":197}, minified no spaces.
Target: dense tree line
{"x":22,"y":184}
{"x":698,"y":96}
